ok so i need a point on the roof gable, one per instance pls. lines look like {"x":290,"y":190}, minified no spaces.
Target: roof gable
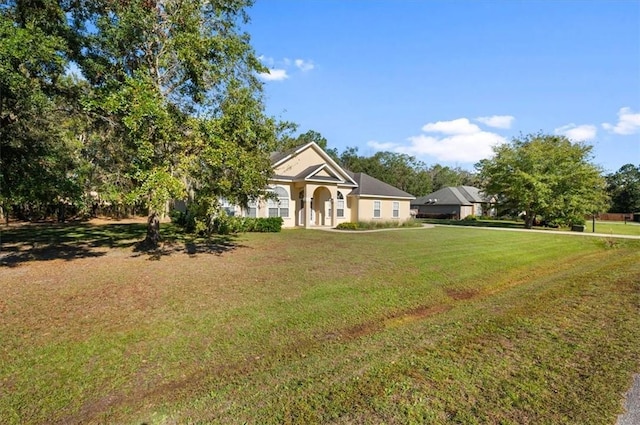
{"x":309,"y":162}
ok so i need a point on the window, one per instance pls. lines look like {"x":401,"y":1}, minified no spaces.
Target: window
{"x":396,"y":209}
{"x":252,"y":209}
{"x":376,"y":209}
{"x":340,"y":206}
{"x":279,"y":207}
{"x":228,"y":208}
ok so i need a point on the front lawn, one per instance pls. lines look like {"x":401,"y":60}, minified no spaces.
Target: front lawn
{"x":606,"y":227}
{"x":442,"y":325}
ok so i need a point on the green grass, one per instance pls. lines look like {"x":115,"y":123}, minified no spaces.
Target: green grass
{"x":614,"y":227}
{"x":443,"y":325}
{"x":606,"y":227}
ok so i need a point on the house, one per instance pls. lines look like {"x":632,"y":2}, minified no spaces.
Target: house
{"x":312,"y":190}
{"x":453,"y":202}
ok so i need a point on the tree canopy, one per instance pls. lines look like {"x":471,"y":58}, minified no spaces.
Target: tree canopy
{"x":168,"y":103}
{"x":544,"y":176}
{"x":623,"y":187}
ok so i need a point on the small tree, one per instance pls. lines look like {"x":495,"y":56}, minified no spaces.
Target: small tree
{"x":544,"y":175}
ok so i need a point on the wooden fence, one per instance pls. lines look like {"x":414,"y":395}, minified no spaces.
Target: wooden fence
{"x":613,"y":217}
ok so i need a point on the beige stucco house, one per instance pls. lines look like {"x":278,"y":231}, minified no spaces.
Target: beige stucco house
{"x":312,"y":190}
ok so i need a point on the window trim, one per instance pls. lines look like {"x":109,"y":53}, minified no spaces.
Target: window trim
{"x":377,"y":212}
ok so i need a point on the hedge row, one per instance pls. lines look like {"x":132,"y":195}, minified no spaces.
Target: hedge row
{"x":224,"y":224}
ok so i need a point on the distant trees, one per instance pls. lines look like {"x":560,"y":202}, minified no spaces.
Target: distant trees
{"x":623,"y":188}
{"x":405,"y":172}
{"x":544,"y":175}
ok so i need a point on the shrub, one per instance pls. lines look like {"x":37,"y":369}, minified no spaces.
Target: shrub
{"x":470,"y":217}
{"x":224,"y":224}
{"x":347,"y":226}
{"x":183,"y":219}
{"x":262,"y":225}
{"x":411,"y":223}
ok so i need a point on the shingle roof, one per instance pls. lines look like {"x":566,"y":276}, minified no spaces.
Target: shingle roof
{"x":277,"y":156}
{"x":370,"y":186}
{"x":460,"y":195}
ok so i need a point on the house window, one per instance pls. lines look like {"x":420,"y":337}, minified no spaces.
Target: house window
{"x":228,"y":208}
{"x":252,"y":209}
{"x":340,"y":205}
{"x":376,"y":209}
{"x":396,"y":209}
{"x":279,"y":207}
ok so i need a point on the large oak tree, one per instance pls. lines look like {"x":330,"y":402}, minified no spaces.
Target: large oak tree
{"x":176,"y":101}
{"x":544,"y":175}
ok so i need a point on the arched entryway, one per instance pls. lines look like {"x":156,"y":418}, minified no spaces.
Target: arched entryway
{"x":321,"y":207}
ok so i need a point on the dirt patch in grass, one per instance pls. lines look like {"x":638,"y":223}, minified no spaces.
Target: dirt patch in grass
{"x":461,"y":294}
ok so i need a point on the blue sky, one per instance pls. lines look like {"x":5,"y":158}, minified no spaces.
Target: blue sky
{"x":445,"y":80}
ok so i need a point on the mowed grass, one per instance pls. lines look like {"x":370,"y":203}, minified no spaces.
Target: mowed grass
{"x":442,"y":325}
{"x":614,"y":227}
{"x":605,"y":227}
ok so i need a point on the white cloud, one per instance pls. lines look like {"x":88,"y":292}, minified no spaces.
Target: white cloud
{"x":459,"y":141}
{"x":266,"y":60}
{"x":385,"y":146}
{"x":578,"y":132}
{"x":304,"y":65}
{"x":628,"y":123}
{"x":274,"y":75}
{"x":470,"y":147}
{"x":497,"y":121}
{"x":459,"y":126}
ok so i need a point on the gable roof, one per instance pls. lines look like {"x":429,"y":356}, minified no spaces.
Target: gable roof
{"x":460,"y":195}
{"x":331,"y":172}
{"x":336,"y":173}
{"x":370,"y":186}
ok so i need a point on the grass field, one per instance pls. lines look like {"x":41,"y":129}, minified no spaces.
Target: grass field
{"x":614,"y":227}
{"x":605,"y":227}
{"x":442,"y":325}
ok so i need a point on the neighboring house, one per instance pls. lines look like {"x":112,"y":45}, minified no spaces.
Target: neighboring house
{"x":453,"y":202}
{"x":311,"y":189}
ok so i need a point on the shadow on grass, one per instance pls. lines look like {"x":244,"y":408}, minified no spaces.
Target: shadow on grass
{"x":70,"y":241}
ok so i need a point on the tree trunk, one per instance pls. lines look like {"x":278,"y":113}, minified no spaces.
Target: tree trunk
{"x":529,"y":219}
{"x":153,"y":230}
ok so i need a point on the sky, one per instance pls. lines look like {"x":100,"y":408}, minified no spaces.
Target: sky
{"x":444,"y":81}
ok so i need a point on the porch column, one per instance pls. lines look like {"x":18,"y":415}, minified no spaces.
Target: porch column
{"x":334,"y":212}
{"x":307,"y":210}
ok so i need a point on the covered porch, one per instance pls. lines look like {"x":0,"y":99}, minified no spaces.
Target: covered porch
{"x":315,"y":205}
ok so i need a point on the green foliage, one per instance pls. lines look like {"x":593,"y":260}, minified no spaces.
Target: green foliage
{"x":623,"y":187}
{"x":176,"y":104}
{"x":387,"y":224}
{"x":263,"y":225}
{"x":546,"y":176}
{"x":347,"y":226}
{"x":471,"y":217}
{"x":39,"y":162}
{"x":223,"y":224}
